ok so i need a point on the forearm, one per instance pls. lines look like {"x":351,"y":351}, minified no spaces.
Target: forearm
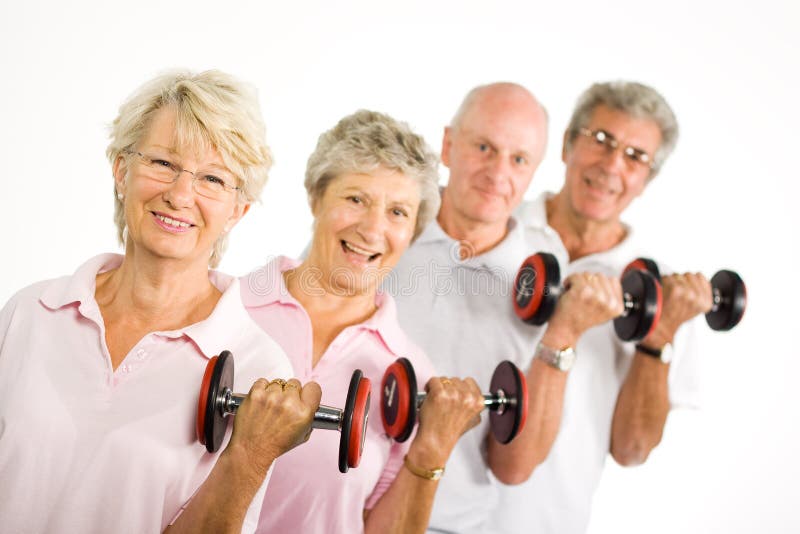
{"x":220,"y":505}
{"x":515,"y":462}
{"x":641,"y":411}
{"x":406,"y":506}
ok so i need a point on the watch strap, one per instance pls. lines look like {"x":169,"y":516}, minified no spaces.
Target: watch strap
{"x":644,"y":349}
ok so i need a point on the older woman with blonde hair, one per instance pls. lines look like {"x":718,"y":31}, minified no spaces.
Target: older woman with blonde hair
{"x":372,"y":187}
{"x":101,"y":370}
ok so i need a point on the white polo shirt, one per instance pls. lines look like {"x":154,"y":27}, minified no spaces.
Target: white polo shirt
{"x":461,"y":313}
{"x":90,"y":449}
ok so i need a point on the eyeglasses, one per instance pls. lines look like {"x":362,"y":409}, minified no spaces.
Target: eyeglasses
{"x":604,"y":139}
{"x":210,"y":184}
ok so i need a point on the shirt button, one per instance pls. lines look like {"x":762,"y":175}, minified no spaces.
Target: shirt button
{"x":141,"y":353}
{"x":125,"y":369}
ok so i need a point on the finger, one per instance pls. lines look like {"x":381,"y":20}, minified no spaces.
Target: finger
{"x":274,"y":385}
{"x":311,"y":394}
{"x":259,"y":385}
{"x":293,"y":385}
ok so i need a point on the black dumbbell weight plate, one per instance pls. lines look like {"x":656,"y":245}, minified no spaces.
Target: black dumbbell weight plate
{"x":645,"y":290}
{"x":734,"y":301}
{"x":506,"y":425}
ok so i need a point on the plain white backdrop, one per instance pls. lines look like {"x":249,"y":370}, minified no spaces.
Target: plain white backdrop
{"x":727,"y":198}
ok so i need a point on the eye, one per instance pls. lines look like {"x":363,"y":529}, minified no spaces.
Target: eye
{"x":213,"y":180}
{"x":355,"y":199}
{"x":161,"y":163}
{"x":519,"y":160}
{"x":398,"y":212}
{"x":483,"y":147}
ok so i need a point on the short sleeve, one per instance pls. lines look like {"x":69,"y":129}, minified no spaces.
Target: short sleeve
{"x":687,"y":367}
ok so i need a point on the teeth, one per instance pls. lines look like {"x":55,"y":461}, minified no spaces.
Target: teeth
{"x":173,"y":222}
{"x":357,"y":250}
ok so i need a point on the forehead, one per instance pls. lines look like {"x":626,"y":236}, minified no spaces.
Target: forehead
{"x":164,"y":131}
{"x":507,"y":122}
{"x":394,"y":185}
{"x":639,"y":132}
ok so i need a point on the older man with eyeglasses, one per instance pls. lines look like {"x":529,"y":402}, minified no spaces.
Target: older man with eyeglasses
{"x":589,"y":392}
{"x":618,"y":138}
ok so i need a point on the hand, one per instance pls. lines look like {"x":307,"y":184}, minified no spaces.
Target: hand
{"x":272,"y":420}
{"x":452,"y":407}
{"x":684,"y":297}
{"x":589,"y":299}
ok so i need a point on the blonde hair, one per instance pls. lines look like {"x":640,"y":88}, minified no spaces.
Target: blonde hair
{"x":366,"y":141}
{"x":212,"y":110}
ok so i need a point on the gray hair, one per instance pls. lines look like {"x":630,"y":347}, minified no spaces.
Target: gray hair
{"x":367,"y":141}
{"x":212,"y":110}
{"x":635,"y":99}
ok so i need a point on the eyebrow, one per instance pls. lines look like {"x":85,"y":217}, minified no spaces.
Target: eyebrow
{"x":210,"y":166}
{"x":405,"y":201}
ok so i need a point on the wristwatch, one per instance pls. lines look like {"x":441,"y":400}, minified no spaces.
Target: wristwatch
{"x":664,"y":353}
{"x":563,"y":360}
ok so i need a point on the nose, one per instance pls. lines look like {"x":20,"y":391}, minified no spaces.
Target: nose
{"x":180,"y":193}
{"x":372,"y":225}
{"x":499,"y":170}
{"x":614,"y":160}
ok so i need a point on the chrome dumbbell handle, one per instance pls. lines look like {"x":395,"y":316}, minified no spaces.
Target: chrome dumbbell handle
{"x":326,"y":417}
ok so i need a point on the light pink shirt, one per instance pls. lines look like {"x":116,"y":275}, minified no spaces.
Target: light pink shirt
{"x":307,"y":493}
{"x":84,"y":448}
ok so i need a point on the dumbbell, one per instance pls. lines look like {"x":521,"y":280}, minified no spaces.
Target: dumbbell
{"x":508,"y":402}
{"x":728,"y":293}
{"x":538,"y":286}
{"x":217,"y":401}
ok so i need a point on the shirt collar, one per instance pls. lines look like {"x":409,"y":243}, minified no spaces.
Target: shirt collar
{"x":266,"y":286}
{"x":228,"y":315}
{"x":534,"y":216}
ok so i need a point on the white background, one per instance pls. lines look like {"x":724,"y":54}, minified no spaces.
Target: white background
{"x":727,"y":198}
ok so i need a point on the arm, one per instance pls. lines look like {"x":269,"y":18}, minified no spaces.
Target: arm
{"x":271,"y":421}
{"x":643,"y":401}
{"x":592,"y":299}
{"x":449,"y":410}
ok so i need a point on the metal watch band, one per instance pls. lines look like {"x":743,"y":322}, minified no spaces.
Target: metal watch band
{"x":563,"y":360}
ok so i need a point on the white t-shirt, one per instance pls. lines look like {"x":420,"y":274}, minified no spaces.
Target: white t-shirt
{"x":461,"y":313}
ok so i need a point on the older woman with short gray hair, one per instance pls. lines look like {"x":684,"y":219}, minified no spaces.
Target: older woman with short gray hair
{"x":372,"y":187}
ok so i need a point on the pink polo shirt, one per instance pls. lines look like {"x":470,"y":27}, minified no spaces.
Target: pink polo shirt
{"x":307,"y":493}
{"x":84,"y":448}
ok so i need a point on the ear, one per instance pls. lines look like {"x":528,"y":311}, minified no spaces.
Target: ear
{"x":447,"y":143}
{"x":120,"y":171}
{"x":240,"y":209}
{"x":564,"y":146}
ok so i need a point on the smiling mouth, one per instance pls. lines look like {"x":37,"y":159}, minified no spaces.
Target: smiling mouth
{"x":171,"y":222}
{"x":347,"y":247}
{"x":594,"y":184}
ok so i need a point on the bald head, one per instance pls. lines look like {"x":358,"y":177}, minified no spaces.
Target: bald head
{"x":501,"y":95}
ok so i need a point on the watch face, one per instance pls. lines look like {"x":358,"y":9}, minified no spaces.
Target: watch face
{"x":666,"y":353}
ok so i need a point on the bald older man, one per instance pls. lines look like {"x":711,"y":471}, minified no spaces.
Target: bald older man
{"x":453,"y":290}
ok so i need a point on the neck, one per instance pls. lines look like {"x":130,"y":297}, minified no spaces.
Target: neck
{"x":475,"y":237}
{"x":167,"y":293}
{"x":582,"y":236}
{"x":319,"y":297}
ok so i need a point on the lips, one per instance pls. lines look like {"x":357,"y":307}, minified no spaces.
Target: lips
{"x":351,"y":248}
{"x":172,"y":224}
{"x":599,"y":186}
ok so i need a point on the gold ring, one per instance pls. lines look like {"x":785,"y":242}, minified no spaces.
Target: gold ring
{"x":290,"y":385}
{"x":280,"y":381}
{"x":446,"y":381}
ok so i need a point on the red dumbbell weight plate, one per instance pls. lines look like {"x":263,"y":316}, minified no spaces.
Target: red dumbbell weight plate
{"x":398,"y":400}
{"x":211,"y":422}
{"x":534,"y":295}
